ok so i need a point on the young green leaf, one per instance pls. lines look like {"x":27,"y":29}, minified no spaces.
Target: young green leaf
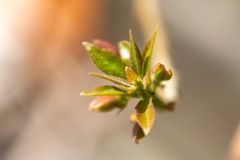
{"x":105,"y":60}
{"x":146,"y":119}
{"x":147,"y":55}
{"x":104,"y":91}
{"x":108,"y":103}
{"x":135,"y":56}
{"x":125,"y":50}
{"x":113,"y":79}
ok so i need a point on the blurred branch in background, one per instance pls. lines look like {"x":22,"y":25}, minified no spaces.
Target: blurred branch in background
{"x":148,"y":13}
{"x":234,"y":153}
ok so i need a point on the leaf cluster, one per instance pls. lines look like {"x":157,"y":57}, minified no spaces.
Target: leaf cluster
{"x":129,"y":69}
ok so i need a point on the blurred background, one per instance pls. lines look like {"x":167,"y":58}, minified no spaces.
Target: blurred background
{"x":43,"y":68}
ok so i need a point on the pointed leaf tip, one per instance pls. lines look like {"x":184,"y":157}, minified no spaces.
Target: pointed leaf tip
{"x":104,"y":91}
{"x":147,"y":54}
{"x":87,"y":45}
{"x":135,"y":56}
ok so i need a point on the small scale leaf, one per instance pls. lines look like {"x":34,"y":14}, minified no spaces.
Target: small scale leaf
{"x":146,"y":118}
{"x":125,"y":50}
{"x":137,"y":133}
{"x":135,"y":56}
{"x":142,"y":106}
{"x":147,"y":55}
{"x":108,"y":103}
{"x":105,"y":60}
{"x":146,"y":81}
{"x":113,"y":79}
{"x":131,"y":75}
{"x":161,"y":73}
{"x":104,"y":91}
{"x":170,"y":106}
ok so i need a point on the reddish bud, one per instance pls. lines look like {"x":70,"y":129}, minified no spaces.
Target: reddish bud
{"x":107,"y":103}
{"x":106,"y":45}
